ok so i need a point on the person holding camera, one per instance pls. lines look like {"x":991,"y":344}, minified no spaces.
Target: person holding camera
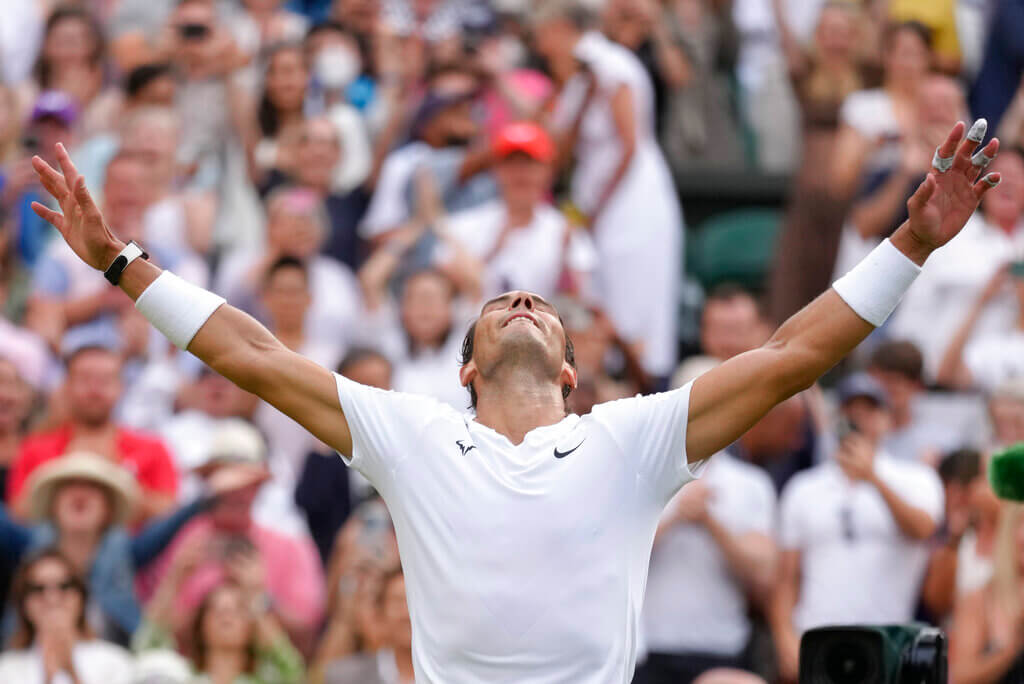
{"x":853,"y":530}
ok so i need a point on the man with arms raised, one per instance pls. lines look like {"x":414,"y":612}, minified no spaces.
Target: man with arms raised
{"x":525,"y":533}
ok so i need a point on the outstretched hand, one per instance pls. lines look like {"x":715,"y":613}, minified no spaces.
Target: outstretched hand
{"x":945,"y":200}
{"x":79,"y":220}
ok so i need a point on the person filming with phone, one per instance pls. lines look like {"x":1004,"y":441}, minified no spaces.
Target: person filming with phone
{"x":853,"y":531}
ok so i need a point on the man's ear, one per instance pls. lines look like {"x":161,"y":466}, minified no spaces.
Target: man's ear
{"x":568,"y":376}
{"x":467,"y":373}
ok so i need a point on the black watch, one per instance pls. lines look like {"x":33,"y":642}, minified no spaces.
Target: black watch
{"x":130,"y":253}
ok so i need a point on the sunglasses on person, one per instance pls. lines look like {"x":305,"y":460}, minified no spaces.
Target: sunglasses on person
{"x":37,"y":589}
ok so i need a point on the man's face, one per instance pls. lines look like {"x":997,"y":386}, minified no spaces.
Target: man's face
{"x":293,"y":233}
{"x":93,"y":386}
{"x":80,"y":505}
{"x":191,"y":42}
{"x":126,"y":196}
{"x":286,"y":298}
{"x":899,"y":388}
{"x":872,"y":420}
{"x":731,"y":326}
{"x":155,"y":146}
{"x":1007,"y":420}
{"x":233,"y":511}
{"x":319,"y":152}
{"x":519,"y":329}
{"x":49,"y":131}
{"x":522,"y":180}
{"x":426,"y":308}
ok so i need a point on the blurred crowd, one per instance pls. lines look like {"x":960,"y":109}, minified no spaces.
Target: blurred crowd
{"x":361,"y":175}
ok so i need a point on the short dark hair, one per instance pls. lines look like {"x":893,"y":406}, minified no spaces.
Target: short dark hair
{"x":960,"y":466}
{"x":358,"y":355}
{"x":141,"y":76}
{"x":899,"y":356}
{"x":286,"y":261}
{"x":467,"y":356}
{"x":917,"y":28}
{"x":73,"y":355}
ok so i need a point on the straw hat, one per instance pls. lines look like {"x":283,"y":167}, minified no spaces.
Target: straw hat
{"x":86,"y":466}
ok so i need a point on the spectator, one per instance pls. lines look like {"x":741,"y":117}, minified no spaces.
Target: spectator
{"x":880,"y":205}
{"x":522,"y":242}
{"x":874,"y":122}
{"x":229,"y":532}
{"x":72,"y":61}
{"x":853,"y":531}
{"x":234,"y":637}
{"x":442,"y":130}
{"x":823,"y":75}
{"x":393,"y":662}
{"x":365,"y":552}
{"x":318,"y":153}
{"x":286,"y":299}
{"x":150,"y":85}
{"x":643,"y":27}
{"x":297,"y":227}
{"x":262,"y":23}
{"x":700,"y":129}
{"x":203,"y":405}
{"x":720,"y":535}
{"x":80,"y":505}
{"x":940,"y":18}
{"x":15,"y":404}
{"x":898,"y":367}
{"x":989,"y":644}
{"x":91,"y":391}
{"x":280,"y":110}
{"x":53,"y":117}
{"x":786,"y":440}
{"x":52,"y":640}
{"x":328,"y":490}
{"x":422,"y":332}
{"x":620,"y":179}
{"x":961,"y":556}
{"x":991,"y":359}
{"x":940,"y":301}
{"x":181,"y":223}
{"x":732,"y":323}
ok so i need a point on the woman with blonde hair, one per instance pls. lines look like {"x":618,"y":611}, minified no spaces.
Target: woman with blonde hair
{"x":988,"y":624}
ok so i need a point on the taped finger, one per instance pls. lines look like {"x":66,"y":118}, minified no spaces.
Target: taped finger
{"x":978,"y":130}
{"x":940,"y":163}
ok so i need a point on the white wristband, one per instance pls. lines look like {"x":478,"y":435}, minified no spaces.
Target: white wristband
{"x":876,"y":285}
{"x":176,"y":307}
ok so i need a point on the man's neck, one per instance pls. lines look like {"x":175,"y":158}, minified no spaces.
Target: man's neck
{"x":517,"y":402}
{"x":9,"y":441}
{"x":79,"y":547}
{"x":224,"y":666}
{"x":519,"y":215}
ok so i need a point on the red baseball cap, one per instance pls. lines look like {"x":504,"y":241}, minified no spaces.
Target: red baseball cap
{"x":525,"y":137}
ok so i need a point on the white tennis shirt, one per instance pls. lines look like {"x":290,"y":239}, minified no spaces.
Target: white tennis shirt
{"x":523,"y":563}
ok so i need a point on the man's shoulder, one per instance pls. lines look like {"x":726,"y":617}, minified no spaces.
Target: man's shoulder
{"x":135,"y":442}
{"x":44,"y":444}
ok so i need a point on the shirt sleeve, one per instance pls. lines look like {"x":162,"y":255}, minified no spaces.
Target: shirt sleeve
{"x":156,"y":472}
{"x":651,"y":431}
{"x":383,"y":424}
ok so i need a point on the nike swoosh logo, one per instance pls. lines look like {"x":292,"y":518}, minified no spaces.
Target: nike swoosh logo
{"x":563,"y":454}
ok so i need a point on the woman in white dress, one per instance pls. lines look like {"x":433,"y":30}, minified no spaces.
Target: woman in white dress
{"x":621,"y":182}
{"x":52,"y":643}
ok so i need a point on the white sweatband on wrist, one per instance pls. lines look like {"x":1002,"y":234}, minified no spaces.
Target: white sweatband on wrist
{"x":176,"y":307}
{"x":876,"y":285}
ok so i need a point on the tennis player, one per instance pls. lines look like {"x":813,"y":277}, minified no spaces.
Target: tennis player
{"x":525,"y":533}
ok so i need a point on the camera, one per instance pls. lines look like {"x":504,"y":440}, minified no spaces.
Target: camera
{"x":873,"y":654}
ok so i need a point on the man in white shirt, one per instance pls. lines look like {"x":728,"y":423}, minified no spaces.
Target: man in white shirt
{"x":523,"y":242}
{"x":526,"y":533}
{"x":853,"y":530}
{"x":719,"y":534}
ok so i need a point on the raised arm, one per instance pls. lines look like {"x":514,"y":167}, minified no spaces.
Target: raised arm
{"x":726,"y":401}
{"x":230,"y":341}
